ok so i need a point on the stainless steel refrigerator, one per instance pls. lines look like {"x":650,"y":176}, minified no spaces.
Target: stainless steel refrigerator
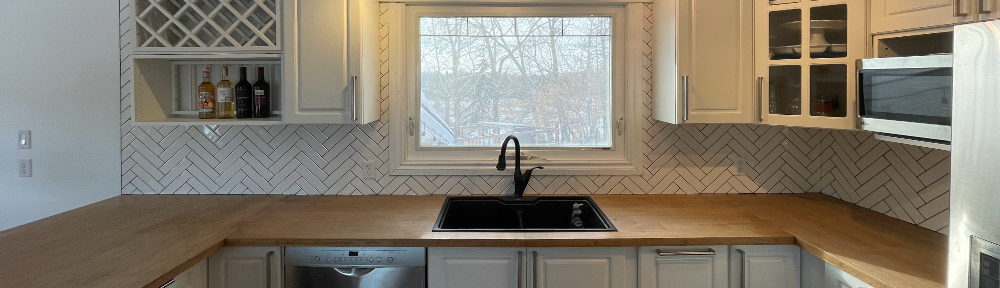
{"x":974,"y":231}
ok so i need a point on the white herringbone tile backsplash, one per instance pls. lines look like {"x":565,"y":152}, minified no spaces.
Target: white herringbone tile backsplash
{"x":906,"y":182}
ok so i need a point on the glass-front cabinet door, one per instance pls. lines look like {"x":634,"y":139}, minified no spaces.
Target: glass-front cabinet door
{"x":805,"y":61}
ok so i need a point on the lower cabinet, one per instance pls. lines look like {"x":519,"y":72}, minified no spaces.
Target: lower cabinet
{"x":684,"y":267}
{"x":613,"y":267}
{"x":475,"y":267}
{"x":765,"y":266}
{"x":245,"y":267}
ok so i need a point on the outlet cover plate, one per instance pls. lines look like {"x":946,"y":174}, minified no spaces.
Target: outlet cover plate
{"x":368,"y":170}
{"x":24,"y":168}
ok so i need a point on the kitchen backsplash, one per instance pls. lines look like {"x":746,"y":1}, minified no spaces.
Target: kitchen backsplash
{"x":906,"y":182}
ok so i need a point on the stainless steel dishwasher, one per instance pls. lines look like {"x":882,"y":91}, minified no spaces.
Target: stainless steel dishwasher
{"x":355,"y":267}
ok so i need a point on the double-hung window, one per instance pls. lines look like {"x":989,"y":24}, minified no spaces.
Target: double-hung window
{"x":555,"y":77}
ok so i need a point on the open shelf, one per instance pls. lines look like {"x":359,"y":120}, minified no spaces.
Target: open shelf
{"x":207,"y":25}
{"x":165,"y":87}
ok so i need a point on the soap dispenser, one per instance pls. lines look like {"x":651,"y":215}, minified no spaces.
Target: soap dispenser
{"x":575,"y":218}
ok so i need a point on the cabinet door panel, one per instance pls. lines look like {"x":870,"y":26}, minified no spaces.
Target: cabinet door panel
{"x":683,"y":271}
{"x":716,"y":55}
{"x":583,"y":267}
{"x":767,"y":266}
{"x":245,"y":267}
{"x":896,"y":15}
{"x":474,"y":267}
{"x":316,"y":66}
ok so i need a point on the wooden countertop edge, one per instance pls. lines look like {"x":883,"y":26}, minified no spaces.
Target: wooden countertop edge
{"x":697,"y":241}
{"x":855,"y":271}
{"x":162,"y":280}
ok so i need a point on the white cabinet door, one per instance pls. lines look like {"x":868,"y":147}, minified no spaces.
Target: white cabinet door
{"x":194,"y":277}
{"x":766,"y":266}
{"x":704,"y":61}
{"x":684,"y":267}
{"x":836,"y":278}
{"x":612,"y":267}
{"x":331,"y":61}
{"x":475,"y":267}
{"x":245,"y":267}
{"x":897,"y":15}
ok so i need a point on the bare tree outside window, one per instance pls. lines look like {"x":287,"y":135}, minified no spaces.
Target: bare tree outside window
{"x":545,"y":79}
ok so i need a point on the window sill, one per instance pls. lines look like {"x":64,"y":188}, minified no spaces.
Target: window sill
{"x":562,"y":168}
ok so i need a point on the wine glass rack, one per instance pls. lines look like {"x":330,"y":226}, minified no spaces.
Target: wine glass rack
{"x":207,"y":25}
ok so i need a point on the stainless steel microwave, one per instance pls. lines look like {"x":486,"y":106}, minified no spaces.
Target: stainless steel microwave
{"x":907,"y":99}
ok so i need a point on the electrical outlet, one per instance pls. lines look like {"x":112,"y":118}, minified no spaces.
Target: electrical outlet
{"x":368,"y":170}
{"x":24,"y":168}
{"x":741,"y":166}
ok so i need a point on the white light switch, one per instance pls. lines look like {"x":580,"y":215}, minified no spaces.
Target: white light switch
{"x":24,"y":168}
{"x":24,"y":139}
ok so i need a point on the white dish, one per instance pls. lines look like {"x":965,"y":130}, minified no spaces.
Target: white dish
{"x":816,"y":24}
{"x":812,"y":49}
{"x":838,"y":48}
{"x":785,"y":50}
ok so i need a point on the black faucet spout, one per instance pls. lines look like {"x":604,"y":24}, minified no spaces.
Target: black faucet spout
{"x":520,"y":180}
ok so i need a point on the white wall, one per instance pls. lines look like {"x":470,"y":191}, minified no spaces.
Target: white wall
{"x":58,"y":78}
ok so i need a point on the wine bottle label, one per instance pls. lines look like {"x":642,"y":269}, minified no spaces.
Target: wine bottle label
{"x":206,"y":102}
{"x":224,"y":94}
{"x":259,"y":98}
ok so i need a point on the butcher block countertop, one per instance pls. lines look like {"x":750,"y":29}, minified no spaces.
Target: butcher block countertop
{"x":144,"y":241}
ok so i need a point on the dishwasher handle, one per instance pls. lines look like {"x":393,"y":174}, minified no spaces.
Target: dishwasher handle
{"x":353,"y":271}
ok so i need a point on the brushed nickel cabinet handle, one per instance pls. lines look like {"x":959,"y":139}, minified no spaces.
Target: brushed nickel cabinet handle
{"x":534,"y":269}
{"x":743,"y":268}
{"x":760,"y":100}
{"x":959,"y":10}
{"x":171,"y":282}
{"x":520,"y":269}
{"x":267,"y":266}
{"x":354,"y":92}
{"x":706,"y":252}
{"x":684,"y":95}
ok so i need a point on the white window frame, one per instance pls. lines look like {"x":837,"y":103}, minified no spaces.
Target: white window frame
{"x":625,"y":157}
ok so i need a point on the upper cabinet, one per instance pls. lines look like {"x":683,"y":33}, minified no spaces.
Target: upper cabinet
{"x":898,"y":15}
{"x":805,"y":62}
{"x":320,"y":59}
{"x":704,"y":61}
{"x":331,"y":61}
{"x":208,"y":26}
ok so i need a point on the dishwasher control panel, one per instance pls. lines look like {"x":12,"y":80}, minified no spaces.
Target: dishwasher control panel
{"x":355,"y":256}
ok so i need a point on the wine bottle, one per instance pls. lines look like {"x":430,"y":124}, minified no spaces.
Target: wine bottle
{"x":224,"y":96}
{"x":244,"y":96}
{"x":261,"y":96}
{"x":206,"y":95}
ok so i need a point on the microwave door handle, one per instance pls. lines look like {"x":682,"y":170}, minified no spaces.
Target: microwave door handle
{"x":861,"y":93}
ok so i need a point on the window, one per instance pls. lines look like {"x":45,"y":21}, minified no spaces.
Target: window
{"x":545,"y":79}
{"x":552,"y":76}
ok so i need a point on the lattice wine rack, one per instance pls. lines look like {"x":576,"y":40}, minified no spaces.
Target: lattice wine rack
{"x":207,"y":25}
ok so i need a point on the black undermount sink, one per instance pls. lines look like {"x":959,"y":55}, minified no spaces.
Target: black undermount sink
{"x":529,"y":214}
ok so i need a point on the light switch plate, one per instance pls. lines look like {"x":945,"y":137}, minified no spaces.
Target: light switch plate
{"x":24,"y":139}
{"x":24,"y":168}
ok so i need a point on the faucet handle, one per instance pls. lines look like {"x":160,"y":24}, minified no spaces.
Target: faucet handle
{"x":527,"y":173}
